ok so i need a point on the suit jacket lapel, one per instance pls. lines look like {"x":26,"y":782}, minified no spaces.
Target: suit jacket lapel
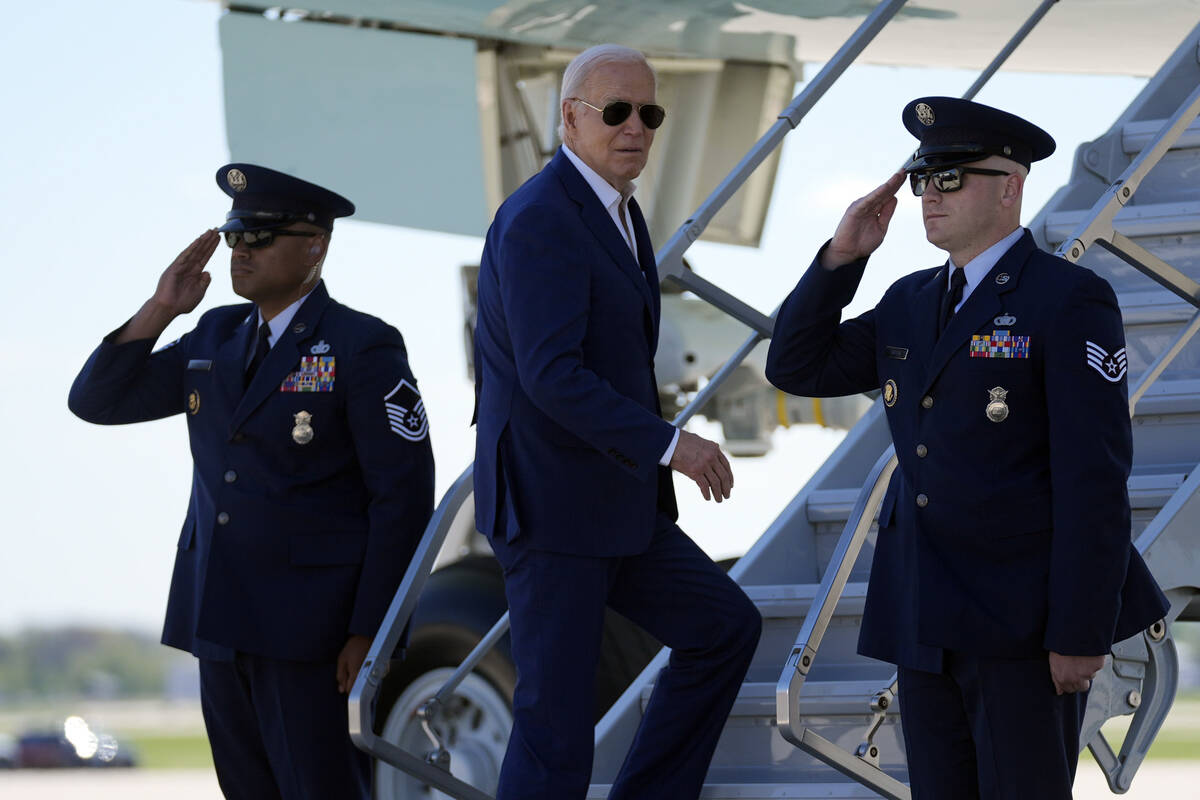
{"x":283,"y":356}
{"x":596,"y":218}
{"x":231,"y":360}
{"x":649,"y":268}
{"x":984,"y":303}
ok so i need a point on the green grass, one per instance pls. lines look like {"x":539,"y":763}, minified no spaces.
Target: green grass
{"x":1178,"y":739}
{"x":157,"y":750}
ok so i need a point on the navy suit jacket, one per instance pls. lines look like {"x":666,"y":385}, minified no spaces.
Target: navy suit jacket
{"x":288,"y":548}
{"x":569,"y":425}
{"x":1001,"y":538}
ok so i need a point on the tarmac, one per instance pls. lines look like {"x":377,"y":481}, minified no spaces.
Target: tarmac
{"x":1156,"y":780}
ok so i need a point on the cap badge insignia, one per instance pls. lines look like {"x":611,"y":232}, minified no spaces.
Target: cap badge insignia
{"x":319,"y":349}
{"x":1002,"y":279}
{"x":890,"y":393}
{"x":925,"y":114}
{"x":237,"y":179}
{"x":997,"y":409}
{"x":406,"y":412}
{"x":303,"y":432}
{"x":1007,"y":150}
{"x":1005,"y":321}
{"x":1111,"y":366}
{"x":194,"y":403}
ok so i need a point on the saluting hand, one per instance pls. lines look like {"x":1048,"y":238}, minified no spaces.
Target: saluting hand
{"x":180,"y":289}
{"x":703,"y":462}
{"x":182,"y":286}
{"x":1073,"y":673}
{"x":863,"y":226}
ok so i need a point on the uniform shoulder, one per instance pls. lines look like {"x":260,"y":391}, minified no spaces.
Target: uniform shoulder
{"x":358,"y":327}
{"x":1063,"y":281}
{"x":224,"y":316}
{"x":912,"y":282}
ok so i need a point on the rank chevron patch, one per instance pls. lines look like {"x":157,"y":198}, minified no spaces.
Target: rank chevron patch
{"x":1111,"y":366}
{"x":406,"y":412}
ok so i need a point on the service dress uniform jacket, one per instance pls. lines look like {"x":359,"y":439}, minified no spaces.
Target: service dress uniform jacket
{"x":1005,"y":531}
{"x":311,"y":486}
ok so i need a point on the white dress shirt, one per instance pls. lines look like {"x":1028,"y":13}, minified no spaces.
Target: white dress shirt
{"x":278,"y":324}
{"x":979,"y":266}
{"x":617,"y":206}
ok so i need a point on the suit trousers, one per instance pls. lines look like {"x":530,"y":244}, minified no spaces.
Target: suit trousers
{"x":556,"y":603}
{"x":989,"y":728}
{"x":279,"y":731}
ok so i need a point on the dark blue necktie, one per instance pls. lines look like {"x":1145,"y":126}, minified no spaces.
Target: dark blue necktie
{"x":261,"y":348}
{"x":953,"y":297}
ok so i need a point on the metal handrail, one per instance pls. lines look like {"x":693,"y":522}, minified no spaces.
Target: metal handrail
{"x":804,"y":651}
{"x":670,"y":256}
{"x":1098,"y":228}
{"x":365,"y":692}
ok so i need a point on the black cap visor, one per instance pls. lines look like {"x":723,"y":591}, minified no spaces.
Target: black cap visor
{"x":246,"y":219}
{"x":946,"y":155}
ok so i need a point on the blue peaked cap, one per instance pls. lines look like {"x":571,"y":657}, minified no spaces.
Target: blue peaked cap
{"x":954,"y":131}
{"x":265,"y":198}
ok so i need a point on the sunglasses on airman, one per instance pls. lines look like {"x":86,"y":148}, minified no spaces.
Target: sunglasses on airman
{"x":257,"y":239}
{"x":618,"y":111}
{"x":946,"y":180}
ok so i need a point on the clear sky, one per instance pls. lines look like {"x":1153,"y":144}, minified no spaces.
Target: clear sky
{"x":112,"y":135}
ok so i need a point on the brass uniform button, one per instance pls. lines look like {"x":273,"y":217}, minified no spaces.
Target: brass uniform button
{"x":922,"y":451}
{"x":230,"y":476}
{"x":222,"y":518}
{"x":922,"y":501}
{"x":926,"y":402}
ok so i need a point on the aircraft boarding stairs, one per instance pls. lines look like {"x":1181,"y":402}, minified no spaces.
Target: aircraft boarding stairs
{"x":813,"y":718}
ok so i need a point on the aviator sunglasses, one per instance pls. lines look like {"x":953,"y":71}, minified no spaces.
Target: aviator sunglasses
{"x":946,"y":180}
{"x":618,"y":111}
{"x":257,"y":239}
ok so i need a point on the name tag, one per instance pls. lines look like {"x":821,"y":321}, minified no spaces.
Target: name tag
{"x":202,"y":364}
{"x":898,"y":353}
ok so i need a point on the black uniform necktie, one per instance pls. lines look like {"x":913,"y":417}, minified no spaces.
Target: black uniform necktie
{"x":261,"y":348}
{"x":953,"y":297}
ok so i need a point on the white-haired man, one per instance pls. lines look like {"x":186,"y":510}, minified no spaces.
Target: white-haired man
{"x":572,"y":464}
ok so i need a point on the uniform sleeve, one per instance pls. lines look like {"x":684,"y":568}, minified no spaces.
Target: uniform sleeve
{"x":547,"y":300}
{"x":124,"y":383}
{"x":813,"y":353}
{"x":1091,"y":450}
{"x":390,"y":429}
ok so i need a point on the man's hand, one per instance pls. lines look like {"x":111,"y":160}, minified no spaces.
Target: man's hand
{"x":180,"y":289}
{"x":1073,"y":673}
{"x":182,"y":286}
{"x":863,"y":226}
{"x":350,"y":661}
{"x":703,"y":462}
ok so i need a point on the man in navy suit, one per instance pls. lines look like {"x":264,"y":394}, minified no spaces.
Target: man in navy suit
{"x":573,"y":459}
{"x":312,"y":483}
{"x":1003,"y":571}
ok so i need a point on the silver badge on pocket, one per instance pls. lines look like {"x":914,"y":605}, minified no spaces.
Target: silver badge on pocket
{"x":997,"y":409}
{"x":303,"y":432}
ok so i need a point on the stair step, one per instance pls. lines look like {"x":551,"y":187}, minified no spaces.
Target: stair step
{"x":1137,"y":135}
{"x":817,"y":699}
{"x":1169,"y":397}
{"x":1154,"y":307}
{"x":1152,"y":219}
{"x":794,"y":600}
